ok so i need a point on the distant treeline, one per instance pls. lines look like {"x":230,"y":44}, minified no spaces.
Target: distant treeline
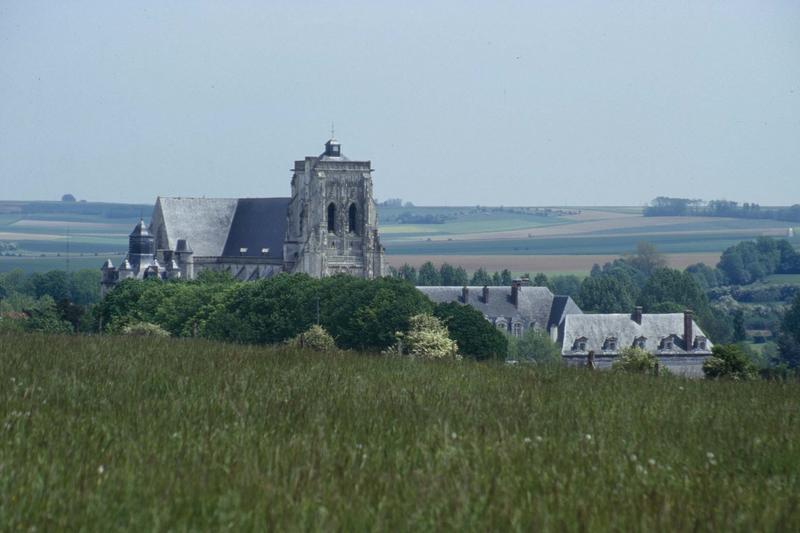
{"x":105,"y":210}
{"x":667,"y":206}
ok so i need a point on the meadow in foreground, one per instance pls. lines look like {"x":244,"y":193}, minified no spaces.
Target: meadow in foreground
{"x":103,"y":433}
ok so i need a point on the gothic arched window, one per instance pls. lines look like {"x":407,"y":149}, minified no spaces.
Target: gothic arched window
{"x":351,"y":219}
{"x":331,"y":217}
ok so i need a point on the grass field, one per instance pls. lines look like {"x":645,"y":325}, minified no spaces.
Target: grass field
{"x":103,"y":433}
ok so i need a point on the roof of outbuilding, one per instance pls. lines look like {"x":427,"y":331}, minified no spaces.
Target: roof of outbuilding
{"x":535,"y":304}
{"x":596,"y":328}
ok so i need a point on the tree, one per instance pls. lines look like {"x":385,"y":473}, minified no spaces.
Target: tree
{"x":68,"y":198}
{"x":408,"y":273}
{"x":460,"y":277}
{"x":569,"y":285}
{"x":729,"y":361}
{"x":606,"y":294}
{"x":428,"y":275}
{"x":647,"y":258}
{"x":536,"y":345}
{"x":789,"y":340}
{"x":506,"y":278}
{"x":481,"y":278}
{"x":667,"y":285}
{"x":705,"y":276}
{"x":739,"y":333}
{"x":497,"y":281}
{"x":447,"y":275}
{"x":427,"y":338}
{"x":475,"y":335}
{"x":540,"y":280}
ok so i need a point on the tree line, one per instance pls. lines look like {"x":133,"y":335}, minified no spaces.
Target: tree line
{"x":668,"y":206}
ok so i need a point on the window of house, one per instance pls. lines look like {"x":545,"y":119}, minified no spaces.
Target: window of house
{"x":579,"y":345}
{"x":351,"y":219}
{"x":639,"y":342}
{"x":501,"y":325}
{"x":666,"y":344}
{"x":517,"y":329}
{"x":332,"y":218}
{"x":610,"y":344}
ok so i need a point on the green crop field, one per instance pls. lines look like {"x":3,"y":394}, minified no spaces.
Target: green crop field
{"x":106,"y":433}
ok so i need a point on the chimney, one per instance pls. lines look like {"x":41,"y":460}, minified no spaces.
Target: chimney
{"x":516,"y":286}
{"x":688,"y":336}
{"x":485,"y":294}
{"x":465,"y":294}
{"x":637,"y":314}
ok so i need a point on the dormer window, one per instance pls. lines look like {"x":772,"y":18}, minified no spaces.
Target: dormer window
{"x":501,"y":324}
{"x":639,"y":342}
{"x":516,"y":329}
{"x":610,"y":344}
{"x":579,"y":345}
{"x":700,"y":343}
{"x":667,"y":343}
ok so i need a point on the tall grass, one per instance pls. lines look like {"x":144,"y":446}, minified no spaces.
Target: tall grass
{"x":104,"y":433}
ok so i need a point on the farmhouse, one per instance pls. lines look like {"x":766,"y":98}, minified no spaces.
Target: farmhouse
{"x":674,"y":338}
{"x":514,"y":309}
{"x":329,"y":225}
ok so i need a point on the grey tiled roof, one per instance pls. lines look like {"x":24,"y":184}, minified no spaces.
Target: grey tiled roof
{"x":535,"y":304}
{"x":217,"y":227}
{"x":654,"y":327}
{"x":203,"y":222}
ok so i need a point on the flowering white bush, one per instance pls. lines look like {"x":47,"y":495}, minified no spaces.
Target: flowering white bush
{"x":315,"y":338}
{"x":427,"y":338}
{"x":144,"y":329}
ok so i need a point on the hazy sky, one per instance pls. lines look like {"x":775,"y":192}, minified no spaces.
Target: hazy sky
{"x":457,"y":103}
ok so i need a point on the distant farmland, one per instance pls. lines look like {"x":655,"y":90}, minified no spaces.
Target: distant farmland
{"x":523,"y":239}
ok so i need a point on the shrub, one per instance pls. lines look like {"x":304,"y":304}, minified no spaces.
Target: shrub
{"x":476,"y":336}
{"x":427,"y":338}
{"x":314,"y":338}
{"x":144,"y":329}
{"x":729,"y":361}
{"x":636,"y":360}
{"x":534,"y":345}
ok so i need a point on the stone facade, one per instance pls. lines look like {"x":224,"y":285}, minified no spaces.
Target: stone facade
{"x":328,"y":226}
{"x":332,"y":218}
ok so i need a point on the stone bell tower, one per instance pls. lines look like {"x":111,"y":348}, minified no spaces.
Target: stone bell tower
{"x":332,"y":217}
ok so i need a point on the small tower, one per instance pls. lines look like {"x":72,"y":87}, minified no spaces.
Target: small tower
{"x":141,"y":247}
{"x":110,"y":277}
{"x":185,"y":258}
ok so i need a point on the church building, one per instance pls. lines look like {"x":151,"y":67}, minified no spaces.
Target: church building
{"x":329,"y":225}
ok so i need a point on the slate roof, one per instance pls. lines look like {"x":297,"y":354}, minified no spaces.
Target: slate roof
{"x":258,"y":223}
{"x":535,"y":304}
{"x":218,"y":227}
{"x":655,"y":327}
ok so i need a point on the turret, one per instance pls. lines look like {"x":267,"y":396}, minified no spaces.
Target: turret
{"x":185,"y":258}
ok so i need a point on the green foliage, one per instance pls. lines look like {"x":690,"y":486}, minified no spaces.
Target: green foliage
{"x":408,"y":273}
{"x":635,"y":360}
{"x":789,"y":340}
{"x":481,"y":278}
{"x":730,"y":362}
{"x":476,"y":337}
{"x":45,"y":318}
{"x":314,"y":338}
{"x":569,"y":285}
{"x":607,"y":294}
{"x":428,"y":275}
{"x":534,"y":345}
{"x":144,"y":329}
{"x":751,"y":261}
{"x":427,"y":338}
{"x":97,"y":430}
{"x":667,"y":285}
{"x":647,"y":259}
